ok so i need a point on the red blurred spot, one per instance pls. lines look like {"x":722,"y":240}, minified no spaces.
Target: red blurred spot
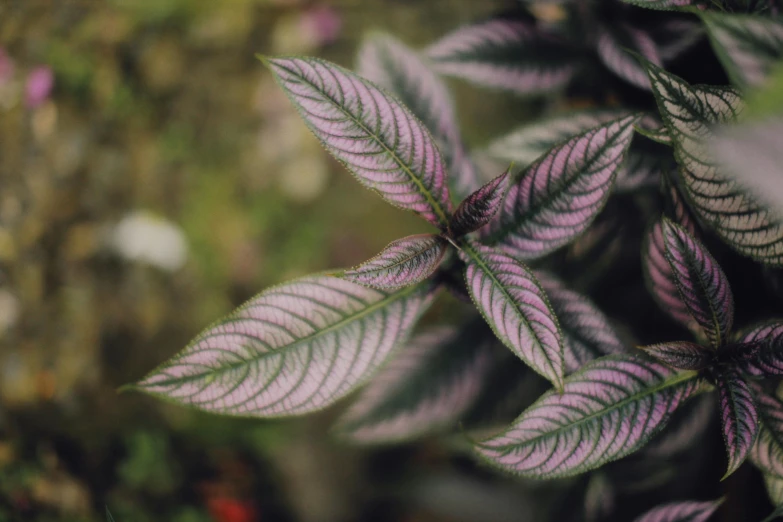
{"x":225,"y":509}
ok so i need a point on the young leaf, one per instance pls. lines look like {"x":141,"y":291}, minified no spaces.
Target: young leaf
{"x":527,"y":143}
{"x":748,"y":46}
{"x":703,"y":286}
{"x":403,"y":72}
{"x":505,"y":54}
{"x":371,"y":133}
{"x":612,"y":50}
{"x":479,"y":208}
{"x":515,"y":306}
{"x":681,"y":354}
{"x":769,"y":357}
{"x":767,"y":453}
{"x":558,"y":197}
{"x":293,"y":349}
{"x":689,"y":112}
{"x":586,"y":330}
{"x":739,"y":417}
{"x":607,"y":410}
{"x":403,"y":262}
{"x":681,"y":512}
{"x":425,"y":388}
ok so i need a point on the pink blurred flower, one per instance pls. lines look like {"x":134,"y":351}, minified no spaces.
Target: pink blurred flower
{"x":321,"y":24}
{"x":6,"y":67}
{"x":40,"y":82}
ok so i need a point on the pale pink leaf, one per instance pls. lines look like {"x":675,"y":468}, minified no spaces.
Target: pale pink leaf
{"x":613,"y":45}
{"x":681,"y":512}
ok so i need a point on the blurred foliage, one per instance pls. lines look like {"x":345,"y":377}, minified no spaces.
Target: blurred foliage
{"x":162,"y":124}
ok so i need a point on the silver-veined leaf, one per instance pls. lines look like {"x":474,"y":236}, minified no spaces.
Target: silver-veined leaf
{"x":683,"y":355}
{"x":376,"y":137}
{"x":748,"y":46}
{"x":703,"y":287}
{"x":426,"y":387}
{"x":768,"y":359}
{"x":402,"y":263}
{"x":408,"y":75}
{"x":479,"y":208}
{"x":513,"y":303}
{"x":505,"y":54}
{"x":295,"y":348}
{"x":752,"y":155}
{"x":586,"y":330}
{"x":556,"y":198}
{"x":739,"y":416}
{"x":607,"y":410}
{"x":613,"y":45}
{"x":681,"y":512}
{"x":767,"y":453}
{"x":689,"y":112}
{"x":527,"y":143}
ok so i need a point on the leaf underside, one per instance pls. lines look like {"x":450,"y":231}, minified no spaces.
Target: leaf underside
{"x":703,"y":287}
{"x":681,"y":512}
{"x":293,"y":349}
{"x":556,"y":198}
{"x":408,"y":75}
{"x":739,"y":417}
{"x":427,"y":387}
{"x":403,"y":262}
{"x":689,"y":112}
{"x":513,"y":303}
{"x":371,"y":133}
{"x":505,"y":54}
{"x":607,"y":410}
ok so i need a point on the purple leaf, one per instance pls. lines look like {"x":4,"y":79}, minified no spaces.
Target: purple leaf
{"x":681,"y":354}
{"x":739,"y":418}
{"x":768,"y":359}
{"x":39,"y":85}
{"x":403,"y":262}
{"x":505,"y":54}
{"x":479,"y":208}
{"x":689,"y":113}
{"x":293,"y":349}
{"x":664,"y":5}
{"x":371,"y":133}
{"x":559,"y":196}
{"x":675,"y":36}
{"x":427,"y":387}
{"x":527,"y":143}
{"x":586,"y":330}
{"x":685,"y":430}
{"x":515,"y":306}
{"x":642,"y":168}
{"x":701,"y":282}
{"x":607,"y":410}
{"x":748,"y":46}
{"x":681,"y":512}
{"x":613,"y":45}
{"x":767,"y":453}
{"x":403,"y":72}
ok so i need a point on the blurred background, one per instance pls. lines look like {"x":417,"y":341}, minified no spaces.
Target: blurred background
{"x":152,"y":178}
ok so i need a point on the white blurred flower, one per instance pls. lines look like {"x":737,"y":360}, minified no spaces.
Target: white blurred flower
{"x":144,"y":237}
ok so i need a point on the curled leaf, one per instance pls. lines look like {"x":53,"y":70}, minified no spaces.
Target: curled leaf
{"x":428,"y":386}
{"x":479,"y":208}
{"x":293,"y":349}
{"x":681,"y":512}
{"x":681,"y":354}
{"x":607,"y":410}
{"x":405,"y":73}
{"x":513,"y":303}
{"x":739,"y":417}
{"x":505,"y":54}
{"x":586,"y":330}
{"x":403,"y":262}
{"x":703,"y":286}
{"x":558,"y":197}
{"x":371,"y":133}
